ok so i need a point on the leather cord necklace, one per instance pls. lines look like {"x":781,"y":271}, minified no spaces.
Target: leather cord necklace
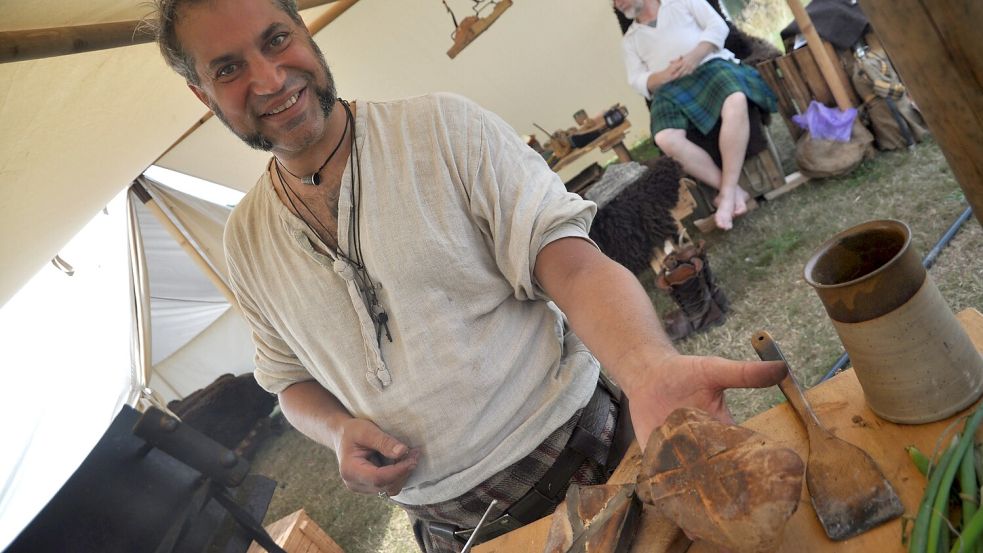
{"x":314,"y":178}
{"x":366,"y":287}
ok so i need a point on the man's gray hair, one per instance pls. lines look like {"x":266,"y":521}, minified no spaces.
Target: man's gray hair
{"x":163,"y":24}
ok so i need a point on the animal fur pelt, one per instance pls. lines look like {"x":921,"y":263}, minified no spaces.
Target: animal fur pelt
{"x":630,"y":226}
{"x":228,"y":411}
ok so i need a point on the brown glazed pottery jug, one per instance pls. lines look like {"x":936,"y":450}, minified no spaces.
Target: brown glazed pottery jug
{"x":911,"y":355}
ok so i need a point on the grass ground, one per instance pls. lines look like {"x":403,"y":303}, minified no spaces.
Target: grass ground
{"x":759,"y":263}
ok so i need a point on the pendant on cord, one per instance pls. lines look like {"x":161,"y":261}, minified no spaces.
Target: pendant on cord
{"x":312,"y":180}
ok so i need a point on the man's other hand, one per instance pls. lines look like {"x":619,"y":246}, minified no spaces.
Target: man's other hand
{"x":688,"y":381}
{"x":371,"y":461}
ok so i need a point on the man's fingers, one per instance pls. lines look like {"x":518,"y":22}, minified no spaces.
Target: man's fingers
{"x":725,"y":373}
{"x":362,"y":475}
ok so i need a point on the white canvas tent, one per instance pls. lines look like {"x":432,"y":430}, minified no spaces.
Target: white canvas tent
{"x":131,"y":281}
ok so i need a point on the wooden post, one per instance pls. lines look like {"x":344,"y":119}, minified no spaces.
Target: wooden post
{"x":183,"y":242}
{"x":32,"y":44}
{"x":937,"y":48}
{"x":815,"y":44}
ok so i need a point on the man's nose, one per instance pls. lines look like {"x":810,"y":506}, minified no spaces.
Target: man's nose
{"x":268,"y":77}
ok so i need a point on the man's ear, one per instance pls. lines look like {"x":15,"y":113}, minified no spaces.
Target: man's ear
{"x":200,"y":94}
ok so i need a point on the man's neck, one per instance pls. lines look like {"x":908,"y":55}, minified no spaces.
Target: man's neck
{"x":337,"y":134}
{"x":648,"y":13}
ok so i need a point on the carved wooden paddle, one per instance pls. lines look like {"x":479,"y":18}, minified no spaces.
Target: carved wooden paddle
{"x":848,"y":490}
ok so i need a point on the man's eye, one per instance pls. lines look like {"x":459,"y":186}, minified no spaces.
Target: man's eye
{"x":278,"y":40}
{"x":227,"y":70}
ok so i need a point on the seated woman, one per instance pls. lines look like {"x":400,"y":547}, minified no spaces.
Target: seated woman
{"x":674,"y":56}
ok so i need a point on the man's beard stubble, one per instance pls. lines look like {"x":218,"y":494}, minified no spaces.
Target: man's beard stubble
{"x":326,"y":98}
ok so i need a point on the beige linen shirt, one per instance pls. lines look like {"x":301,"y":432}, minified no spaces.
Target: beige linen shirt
{"x":452,"y":210}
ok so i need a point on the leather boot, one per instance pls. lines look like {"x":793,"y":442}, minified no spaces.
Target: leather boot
{"x":698,"y":250}
{"x":687,"y":284}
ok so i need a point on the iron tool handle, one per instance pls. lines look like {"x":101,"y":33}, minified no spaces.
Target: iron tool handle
{"x":768,"y":350}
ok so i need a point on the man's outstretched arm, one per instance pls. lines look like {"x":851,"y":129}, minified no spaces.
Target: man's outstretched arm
{"x":610,"y":311}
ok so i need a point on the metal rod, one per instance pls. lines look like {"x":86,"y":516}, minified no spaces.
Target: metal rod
{"x":467,"y":545}
{"x":927,"y":262}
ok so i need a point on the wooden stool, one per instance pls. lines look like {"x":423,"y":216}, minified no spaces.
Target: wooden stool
{"x":297,"y":533}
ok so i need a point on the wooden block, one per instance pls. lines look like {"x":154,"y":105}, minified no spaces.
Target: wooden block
{"x":798,"y":91}
{"x":812,"y":76}
{"x":609,"y":512}
{"x":792,"y":182}
{"x":297,"y":533}
{"x":769,"y":72}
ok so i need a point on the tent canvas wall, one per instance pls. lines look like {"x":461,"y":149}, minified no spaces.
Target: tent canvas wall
{"x":68,"y":339}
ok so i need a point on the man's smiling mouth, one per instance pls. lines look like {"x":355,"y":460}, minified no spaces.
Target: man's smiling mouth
{"x":290,"y":102}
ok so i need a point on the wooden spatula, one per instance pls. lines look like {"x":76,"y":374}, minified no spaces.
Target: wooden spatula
{"x":848,"y":490}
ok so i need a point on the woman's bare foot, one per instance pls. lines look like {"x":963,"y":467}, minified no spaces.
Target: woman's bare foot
{"x":740,"y":202}
{"x":724,"y":216}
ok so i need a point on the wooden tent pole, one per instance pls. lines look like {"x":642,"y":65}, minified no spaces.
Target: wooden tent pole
{"x":30,"y":44}
{"x":825,"y":63}
{"x":339,"y":7}
{"x":183,"y":241}
{"x":937,"y":49}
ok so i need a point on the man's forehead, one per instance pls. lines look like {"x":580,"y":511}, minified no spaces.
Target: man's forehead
{"x":213,"y":28}
{"x":214,"y":20}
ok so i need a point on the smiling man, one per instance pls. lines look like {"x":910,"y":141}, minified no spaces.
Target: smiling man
{"x":411,"y":272}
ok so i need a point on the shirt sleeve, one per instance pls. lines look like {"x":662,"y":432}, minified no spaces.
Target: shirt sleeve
{"x":714,"y":28}
{"x":277,"y":367}
{"x":638,"y":71}
{"x":520,"y":203}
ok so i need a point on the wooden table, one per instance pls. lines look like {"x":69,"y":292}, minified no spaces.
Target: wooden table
{"x":611,"y":139}
{"x":839,"y":404}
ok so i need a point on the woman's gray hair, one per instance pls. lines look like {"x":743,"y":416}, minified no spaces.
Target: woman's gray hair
{"x":162,"y":24}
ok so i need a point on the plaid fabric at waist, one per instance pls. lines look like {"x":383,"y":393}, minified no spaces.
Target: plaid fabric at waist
{"x":695,"y":101}
{"x":507,"y":486}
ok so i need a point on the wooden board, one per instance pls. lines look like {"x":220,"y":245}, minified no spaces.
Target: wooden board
{"x":812,"y":76}
{"x":769,"y":72}
{"x":839,"y":404}
{"x":935,"y":47}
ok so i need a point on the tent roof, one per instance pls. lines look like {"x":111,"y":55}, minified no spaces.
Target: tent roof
{"x":77,"y":129}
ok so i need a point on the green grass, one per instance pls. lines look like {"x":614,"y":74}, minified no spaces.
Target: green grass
{"x":759,"y":263}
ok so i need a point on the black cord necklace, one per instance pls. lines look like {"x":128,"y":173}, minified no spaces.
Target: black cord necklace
{"x":366,"y":287}
{"x":314,"y":178}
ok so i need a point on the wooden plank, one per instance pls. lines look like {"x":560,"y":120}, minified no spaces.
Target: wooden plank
{"x":943,"y":70}
{"x":30,"y":44}
{"x":792,"y":182}
{"x":769,"y":73}
{"x":812,"y":76}
{"x":798,"y":91}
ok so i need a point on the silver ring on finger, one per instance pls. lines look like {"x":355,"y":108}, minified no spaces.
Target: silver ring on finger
{"x":382,"y":494}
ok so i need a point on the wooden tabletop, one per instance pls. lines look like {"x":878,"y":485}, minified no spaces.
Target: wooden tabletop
{"x":607,"y":140}
{"x":840,"y":406}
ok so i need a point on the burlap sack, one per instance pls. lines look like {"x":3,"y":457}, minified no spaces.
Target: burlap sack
{"x":828,"y":158}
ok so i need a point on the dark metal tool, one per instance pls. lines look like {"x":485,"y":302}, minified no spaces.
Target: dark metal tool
{"x":849,"y":492}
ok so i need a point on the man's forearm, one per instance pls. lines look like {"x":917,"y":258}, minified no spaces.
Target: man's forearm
{"x":606,"y":306}
{"x":314,"y":411}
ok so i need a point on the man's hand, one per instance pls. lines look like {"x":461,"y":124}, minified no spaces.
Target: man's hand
{"x":685,"y":64}
{"x":371,"y":461}
{"x":688,"y":381}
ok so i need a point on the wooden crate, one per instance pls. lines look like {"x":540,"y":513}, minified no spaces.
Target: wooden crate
{"x":796,"y":80}
{"x":297,"y":533}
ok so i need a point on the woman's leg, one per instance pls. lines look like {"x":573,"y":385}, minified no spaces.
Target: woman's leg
{"x":734,"y":132}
